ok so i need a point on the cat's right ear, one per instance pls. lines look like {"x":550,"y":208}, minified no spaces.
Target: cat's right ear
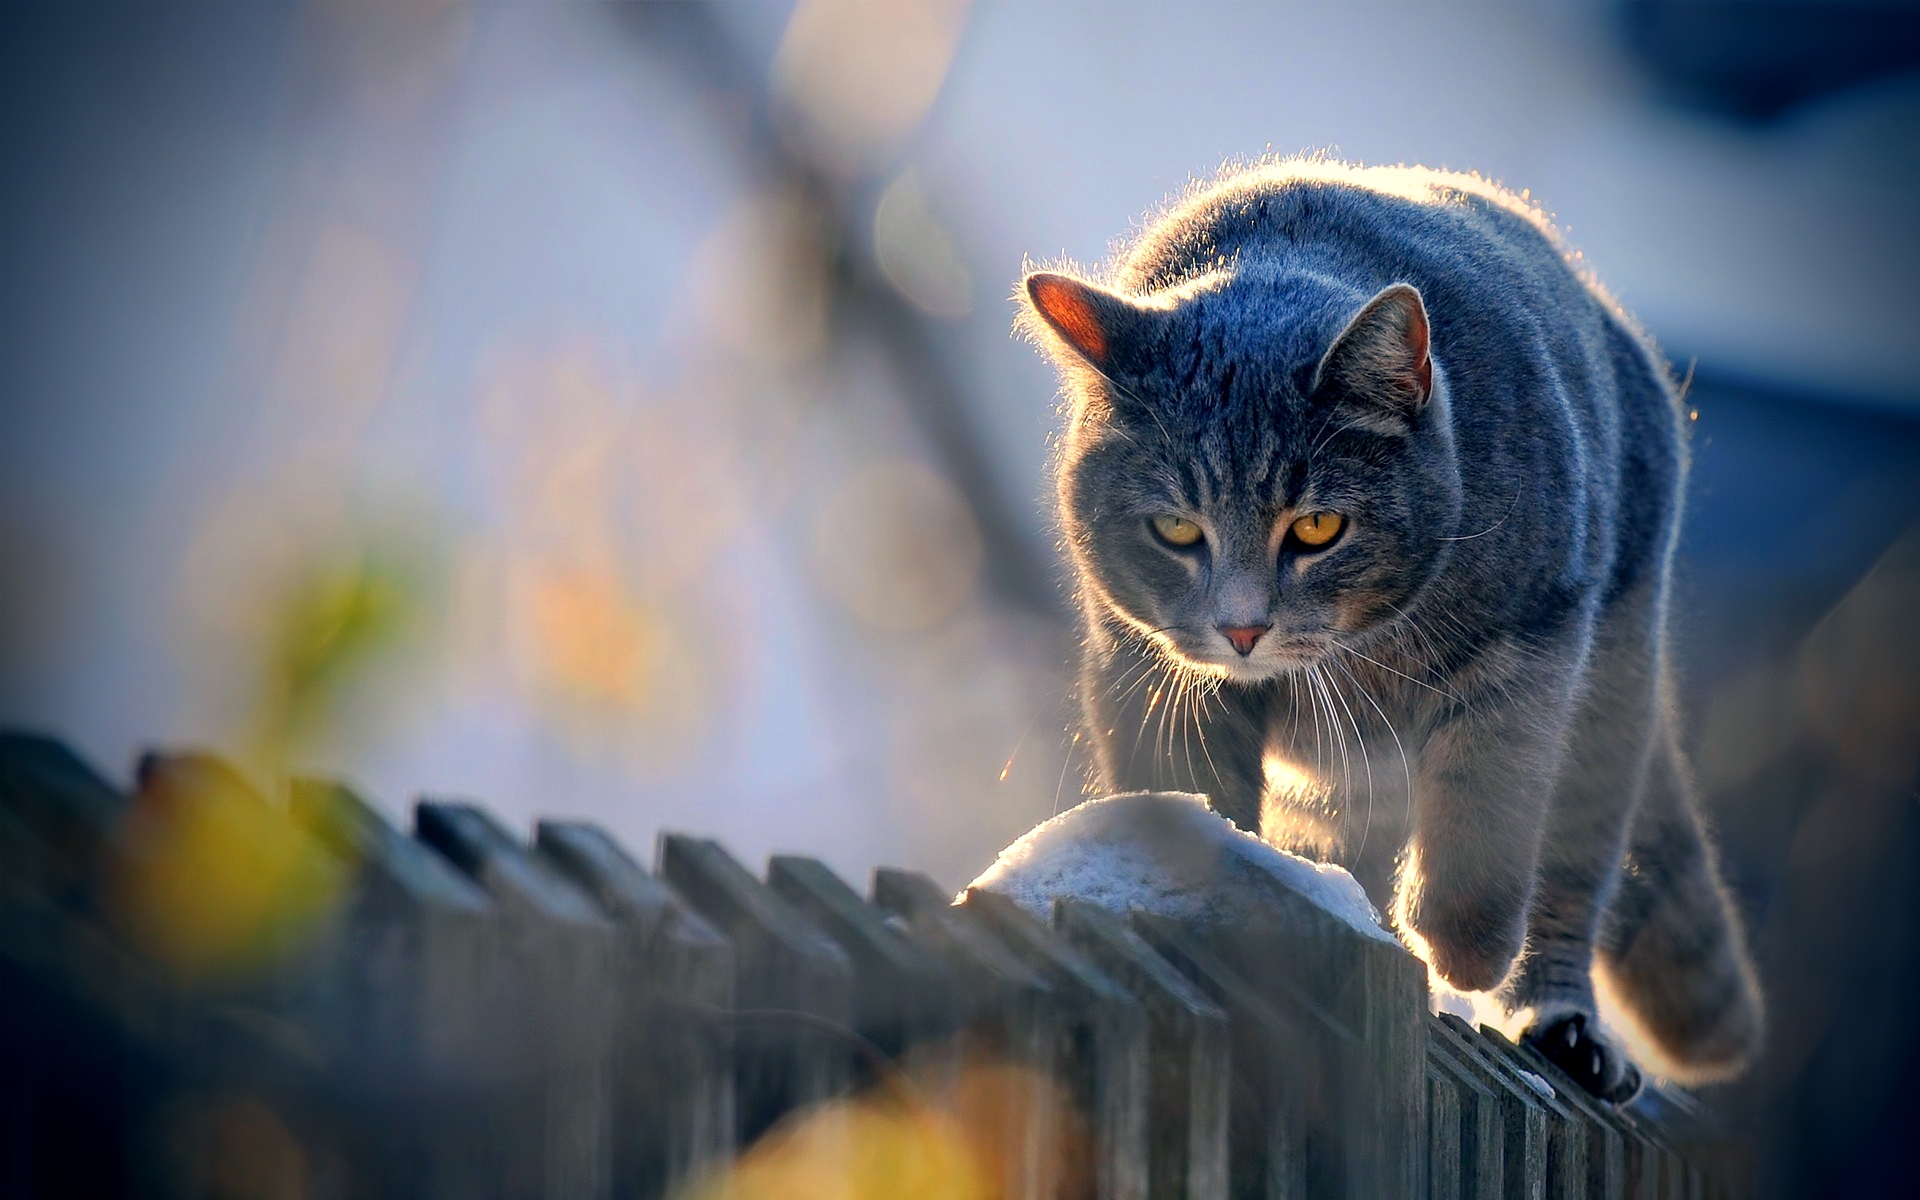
{"x":1104,"y":330}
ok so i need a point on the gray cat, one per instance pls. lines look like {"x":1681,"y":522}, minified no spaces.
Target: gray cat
{"x":1371,"y":496}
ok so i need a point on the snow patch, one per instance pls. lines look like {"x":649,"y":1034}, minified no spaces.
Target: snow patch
{"x":1169,"y":854}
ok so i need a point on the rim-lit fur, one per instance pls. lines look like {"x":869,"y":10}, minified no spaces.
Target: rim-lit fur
{"x":1464,"y":695}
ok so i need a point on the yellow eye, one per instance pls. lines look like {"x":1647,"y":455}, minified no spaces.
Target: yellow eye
{"x":1176,"y":531}
{"x":1317,"y":529}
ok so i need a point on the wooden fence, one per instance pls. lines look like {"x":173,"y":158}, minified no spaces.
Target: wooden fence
{"x":459,"y":1011}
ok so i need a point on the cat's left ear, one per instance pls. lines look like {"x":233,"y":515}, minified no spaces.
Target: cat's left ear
{"x":1108,"y":331}
{"x":1383,"y":357}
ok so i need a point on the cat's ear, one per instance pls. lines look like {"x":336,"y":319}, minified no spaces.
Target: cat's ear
{"x":1382,"y":358}
{"x":1106,"y":330}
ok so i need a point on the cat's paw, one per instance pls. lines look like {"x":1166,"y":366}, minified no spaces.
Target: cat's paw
{"x":1472,"y":947}
{"x":1471,"y":966}
{"x":1572,"y":1043}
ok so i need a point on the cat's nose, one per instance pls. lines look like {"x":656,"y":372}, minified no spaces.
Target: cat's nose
{"x":1243,"y":636}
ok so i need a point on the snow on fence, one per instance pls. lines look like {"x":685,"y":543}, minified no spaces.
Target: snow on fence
{"x":459,"y":1011}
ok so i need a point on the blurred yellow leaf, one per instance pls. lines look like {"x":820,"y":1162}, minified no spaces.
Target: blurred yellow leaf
{"x":986,"y":1131}
{"x":857,"y":1151}
{"x":339,"y":614}
{"x":210,"y":880}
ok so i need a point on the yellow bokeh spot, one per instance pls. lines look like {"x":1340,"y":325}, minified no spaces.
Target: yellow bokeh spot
{"x":857,"y":1151}
{"x":594,"y":644}
{"x":338,"y":620}
{"x":212,"y":881}
{"x":986,"y":1130}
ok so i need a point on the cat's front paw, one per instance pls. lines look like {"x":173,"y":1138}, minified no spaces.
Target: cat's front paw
{"x":1572,"y":1043}
{"x":1472,"y":946}
{"x":1468,"y":965}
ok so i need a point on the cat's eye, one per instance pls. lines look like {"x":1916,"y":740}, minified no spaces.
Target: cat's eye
{"x":1316,"y":529}
{"x":1176,"y":531}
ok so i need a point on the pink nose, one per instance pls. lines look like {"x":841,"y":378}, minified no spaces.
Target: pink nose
{"x":1244,"y":636}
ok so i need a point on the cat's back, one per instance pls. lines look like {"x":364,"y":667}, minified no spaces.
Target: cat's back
{"x":1365,"y":225}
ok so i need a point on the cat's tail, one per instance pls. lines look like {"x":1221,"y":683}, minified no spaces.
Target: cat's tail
{"x":1672,"y":951}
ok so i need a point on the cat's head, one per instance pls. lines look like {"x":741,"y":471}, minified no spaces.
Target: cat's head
{"x":1256,"y":468}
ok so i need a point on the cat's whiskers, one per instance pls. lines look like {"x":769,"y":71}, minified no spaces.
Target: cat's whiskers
{"x":1465,"y":632}
{"x":1169,"y":680}
{"x":1178,"y":690}
{"x":1511,"y":505}
{"x":1322,"y":757}
{"x":1366,"y":759}
{"x":1405,"y":765}
{"x":1524,"y":656}
{"x":1139,"y":673}
{"x":1066,"y":761}
{"x":1346,"y":749}
{"x":1322,"y":748}
{"x":1161,"y":690}
{"x":1186,"y":725}
{"x":1153,"y":665}
{"x":1177,"y":717}
{"x":1195,"y":694}
{"x":1429,"y":654}
{"x":1339,"y":645}
{"x":1339,"y":732}
{"x":1293,"y":695}
{"x":1168,"y":727}
{"x":1202,"y":694}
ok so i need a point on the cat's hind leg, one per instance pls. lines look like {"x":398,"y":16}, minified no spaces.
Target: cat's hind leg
{"x":1672,"y":949}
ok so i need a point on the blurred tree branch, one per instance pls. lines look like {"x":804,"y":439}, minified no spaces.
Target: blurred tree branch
{"x":934,"y":397}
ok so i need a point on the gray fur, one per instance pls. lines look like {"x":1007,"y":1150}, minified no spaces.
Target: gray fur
{"x":1474,"y":674}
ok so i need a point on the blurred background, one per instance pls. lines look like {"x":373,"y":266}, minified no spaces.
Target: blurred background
{"x":610,"y":410}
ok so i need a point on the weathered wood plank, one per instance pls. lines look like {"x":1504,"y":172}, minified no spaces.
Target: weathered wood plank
{"x":1670,"y":1166}
{"x":557,"y":952}
{"x":1103,"y":1057}
{"x":1446,"y":1173}
{"x":1373,"y":988}
{"x":413,"y":1006}
{"x":1710,"y":1160}
{"x":1577,"y":1165}
{"x":1523,"y":1116}
{"x":1624,"y":1165}
{"x":1187,"y":1054}
{"x":1482,"y":1127}
{"x":673,"y":1099}
{"x":1011,"y":1017}
{"x":1281,"y":1132}
{"x":793,"y":985}
{"x":905,"y":995}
